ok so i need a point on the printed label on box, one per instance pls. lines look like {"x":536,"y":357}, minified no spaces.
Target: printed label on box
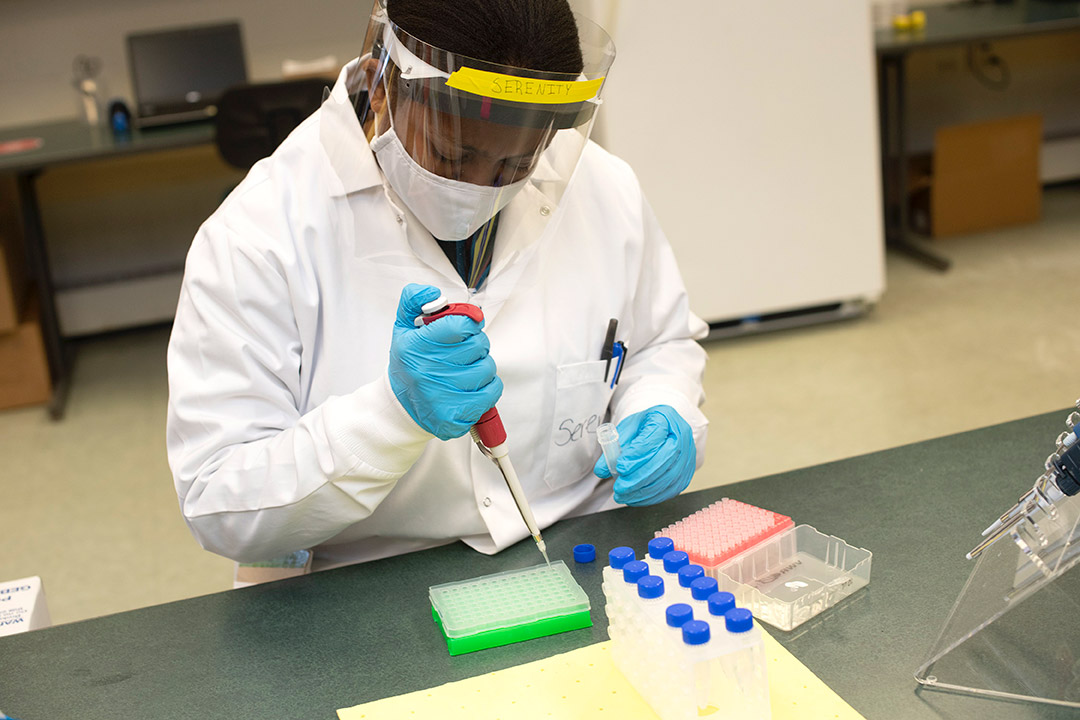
{"x":22,"y":606}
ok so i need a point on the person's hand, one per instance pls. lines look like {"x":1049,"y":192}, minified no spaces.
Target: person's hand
{"x":656,"y":457}
{"x":442,"y":373}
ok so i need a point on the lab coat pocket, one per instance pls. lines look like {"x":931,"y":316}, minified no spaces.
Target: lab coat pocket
{"x":581,"y":402}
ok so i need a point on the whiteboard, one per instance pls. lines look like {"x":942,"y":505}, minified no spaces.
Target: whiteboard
{"x":753,"y":129}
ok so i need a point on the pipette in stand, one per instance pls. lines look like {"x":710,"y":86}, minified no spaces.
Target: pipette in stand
{"x":1061,"y":479}
{"x":488,"y":433}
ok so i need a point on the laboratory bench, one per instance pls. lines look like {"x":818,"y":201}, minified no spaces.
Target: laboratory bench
{"x":56,"y":144}
{"x":308,"y":646}
{"x":947,"y":24}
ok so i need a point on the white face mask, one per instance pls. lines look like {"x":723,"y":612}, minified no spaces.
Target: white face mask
{"x":449,"y":209}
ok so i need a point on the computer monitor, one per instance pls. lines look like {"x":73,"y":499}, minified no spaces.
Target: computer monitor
{"x":179,"y":74}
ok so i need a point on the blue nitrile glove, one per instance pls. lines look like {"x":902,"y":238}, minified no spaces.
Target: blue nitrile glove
{"x":656,"y":457}
{"x":441,"y":373}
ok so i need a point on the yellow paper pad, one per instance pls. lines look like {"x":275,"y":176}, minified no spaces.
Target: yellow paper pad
{"x":585,"y":684}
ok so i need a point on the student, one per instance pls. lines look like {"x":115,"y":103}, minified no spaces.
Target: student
{"x":308,"y":410}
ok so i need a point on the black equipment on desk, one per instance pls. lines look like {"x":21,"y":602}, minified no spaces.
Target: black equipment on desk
{"x":252,"y":120}
{"x":180,"y":74}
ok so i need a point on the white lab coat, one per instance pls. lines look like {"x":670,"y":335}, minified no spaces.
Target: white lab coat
{"x":283,"y":432}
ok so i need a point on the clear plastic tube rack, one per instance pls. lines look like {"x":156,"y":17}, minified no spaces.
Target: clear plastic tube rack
{"x":687,"y":653}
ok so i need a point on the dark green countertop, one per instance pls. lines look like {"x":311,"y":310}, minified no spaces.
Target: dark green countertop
{"x":305,"y":647}
{"x":68,"y":141}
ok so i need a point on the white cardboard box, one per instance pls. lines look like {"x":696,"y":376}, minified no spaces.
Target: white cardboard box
{"x":22,"y":606}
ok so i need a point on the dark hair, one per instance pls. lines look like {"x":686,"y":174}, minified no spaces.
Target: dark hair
{"x":532,"y":34}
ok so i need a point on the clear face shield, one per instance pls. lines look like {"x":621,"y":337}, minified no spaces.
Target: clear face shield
{"x":458,"y":138}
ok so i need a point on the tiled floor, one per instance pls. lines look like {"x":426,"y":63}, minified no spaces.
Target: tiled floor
{"x":88,"y":503}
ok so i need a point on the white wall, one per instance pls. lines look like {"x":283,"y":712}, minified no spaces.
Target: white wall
{"x":40,"y":40}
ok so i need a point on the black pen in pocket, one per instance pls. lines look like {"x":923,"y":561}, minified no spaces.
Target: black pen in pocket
{"x":609,"y":346}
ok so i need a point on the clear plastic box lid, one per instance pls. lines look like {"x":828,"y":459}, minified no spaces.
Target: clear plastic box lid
{"x":793,"y":576}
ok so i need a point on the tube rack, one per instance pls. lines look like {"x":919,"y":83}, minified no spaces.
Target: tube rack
{"x":650,"y":619}
{"x":509,"y":607}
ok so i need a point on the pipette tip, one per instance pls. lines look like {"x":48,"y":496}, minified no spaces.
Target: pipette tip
{"x":543,"y":548}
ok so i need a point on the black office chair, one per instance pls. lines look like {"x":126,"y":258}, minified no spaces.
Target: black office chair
{"x":252,"y":120}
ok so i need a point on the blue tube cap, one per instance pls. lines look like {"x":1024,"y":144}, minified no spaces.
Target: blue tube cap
{"x":703,"y":587}
{"x":618,"y":557}
{"x":650,"y":587}
{"x":584,"y":553}
{"x":738,"y":620}
{"x":660,"y":546}
{"x":634,"y":571}
{"x":695,"y":632}
{"x":675,"y":560}
{"x":678,"y":614}
{"x":690,"y":573}
{"x":720,"y":603}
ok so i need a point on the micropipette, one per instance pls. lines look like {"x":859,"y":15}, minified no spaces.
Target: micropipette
{"x":488,"y":433}
{"x":1061,"y":479}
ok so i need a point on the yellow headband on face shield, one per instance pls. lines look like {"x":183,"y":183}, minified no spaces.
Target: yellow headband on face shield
{"x":494,"y":85}
{"x":499,"y":86}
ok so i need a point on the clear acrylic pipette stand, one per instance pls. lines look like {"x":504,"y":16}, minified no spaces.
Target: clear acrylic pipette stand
{"x":1014,"y":632}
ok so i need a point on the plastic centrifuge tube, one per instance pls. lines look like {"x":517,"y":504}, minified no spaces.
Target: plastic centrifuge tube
{"x":696,"y":636}
{"x":658,"y":548}
{"x":650,"y":592}
{"x":609,"y":443}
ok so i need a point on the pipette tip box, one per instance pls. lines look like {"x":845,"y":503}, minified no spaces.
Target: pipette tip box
{"x":719,"y":532}
{"x":509,"y":607}
{"x":785,"y":574}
